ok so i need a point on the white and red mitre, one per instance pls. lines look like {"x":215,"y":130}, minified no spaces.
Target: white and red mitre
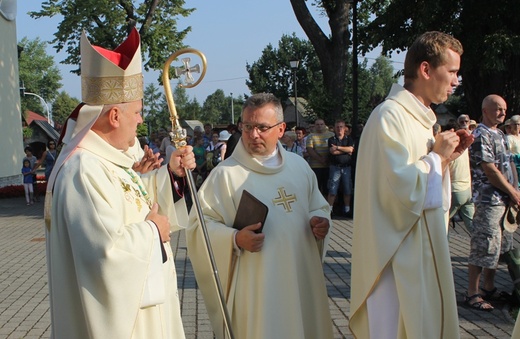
{"x":107,"y":77}
{"x":111,"y":77}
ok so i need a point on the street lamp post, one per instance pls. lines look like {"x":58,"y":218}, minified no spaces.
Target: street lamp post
{"x":294,"y":67}
{"x":49,"y":114}
{"x":354,"y":67}
{"x":232,"y":110}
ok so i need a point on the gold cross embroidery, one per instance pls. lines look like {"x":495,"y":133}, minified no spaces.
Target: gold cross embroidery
{"x":284,"y":199}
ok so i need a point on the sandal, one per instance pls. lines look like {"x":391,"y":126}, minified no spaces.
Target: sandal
{"x":494,"y":295}
{"x":477,"y":304}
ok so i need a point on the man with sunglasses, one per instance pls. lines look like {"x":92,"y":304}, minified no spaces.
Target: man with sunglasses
{"x":273,"y":279}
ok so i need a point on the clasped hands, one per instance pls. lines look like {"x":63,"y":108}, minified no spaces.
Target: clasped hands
{"x":449,"y":145}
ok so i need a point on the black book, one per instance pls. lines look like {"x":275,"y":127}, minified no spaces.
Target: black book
{"x":250,"y":211}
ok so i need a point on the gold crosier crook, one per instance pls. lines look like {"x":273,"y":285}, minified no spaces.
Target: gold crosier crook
{"x":178,"y":136}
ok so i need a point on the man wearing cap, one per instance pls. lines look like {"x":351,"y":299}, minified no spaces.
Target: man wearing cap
{"x":221,"y":147}
{"x":216,"y":150}
{"x":472,"y":125}
{"x":110,"y":267}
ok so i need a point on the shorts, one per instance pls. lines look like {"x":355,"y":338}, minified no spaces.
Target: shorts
{"x":339,"y":175}
{"x":488,"y":240}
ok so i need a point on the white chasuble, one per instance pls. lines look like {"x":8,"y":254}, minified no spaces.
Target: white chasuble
{"x":280,"y":291}
{"x":394,"y":228}
{"x":101,"y":251}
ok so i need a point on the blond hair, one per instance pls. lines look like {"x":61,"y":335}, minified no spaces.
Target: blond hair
{"x":430,"y":47}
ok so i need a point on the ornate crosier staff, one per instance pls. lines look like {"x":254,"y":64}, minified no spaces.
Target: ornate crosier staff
{"x":178,"y":136}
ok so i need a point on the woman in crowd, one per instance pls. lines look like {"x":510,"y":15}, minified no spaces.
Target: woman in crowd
{"x":49,"y":158}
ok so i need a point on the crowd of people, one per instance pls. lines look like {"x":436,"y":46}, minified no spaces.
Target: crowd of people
{"x":484,"y":187}
{"x":329,"y":150}
{"x":111,"y":270}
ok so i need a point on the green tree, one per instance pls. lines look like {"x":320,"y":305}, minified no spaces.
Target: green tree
{"x":182,"y":100}
{"x":491,"y":42}
{"x":38,"y":74}
{"x":193,"y":110}
{"x":238,"y":102}
{"x":163,"y":118}
{"x":365,"y":93}
{"x":142,"y":130}
{"x":216,"y":109}
{"x":186,"y":109}
{"x":108,"y":23}
{"x":381,"y":79}
{"x":62,"y":106}
{"x":332,"y":51}
{"x":272,"y":72}
{"x":154,"y":111}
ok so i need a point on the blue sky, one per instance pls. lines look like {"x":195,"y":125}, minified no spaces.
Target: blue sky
{"x":230,"y":33}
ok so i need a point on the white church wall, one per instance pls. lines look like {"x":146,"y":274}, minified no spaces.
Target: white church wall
{"x":11,"y":140}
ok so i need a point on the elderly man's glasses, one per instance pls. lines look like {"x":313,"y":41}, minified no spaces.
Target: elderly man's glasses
{"x":463,"y":121}
{"x":248,"y":128}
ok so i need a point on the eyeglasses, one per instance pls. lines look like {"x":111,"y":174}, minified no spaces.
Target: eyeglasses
{"x":463,"y":121}
{"x":248,"y":128}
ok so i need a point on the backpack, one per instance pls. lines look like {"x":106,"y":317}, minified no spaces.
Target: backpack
{"x":213,"y":158}
{"x":217,"y":157}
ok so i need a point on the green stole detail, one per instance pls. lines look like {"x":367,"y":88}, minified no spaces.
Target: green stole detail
{"x":135,"y":179}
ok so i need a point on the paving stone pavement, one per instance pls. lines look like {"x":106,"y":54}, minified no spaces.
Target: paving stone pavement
{"x":24,"y":310}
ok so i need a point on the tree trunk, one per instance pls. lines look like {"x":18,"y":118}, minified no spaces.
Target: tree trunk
{"x":332,"y":52}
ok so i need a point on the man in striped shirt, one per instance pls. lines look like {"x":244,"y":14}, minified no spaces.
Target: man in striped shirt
{"x":318,"y":150}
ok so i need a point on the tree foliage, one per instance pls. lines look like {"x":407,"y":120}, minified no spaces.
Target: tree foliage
{"x":38,"y":74}
{"x":62,"y":106}
{"x":216,"y":108}
{"x":192,"y":110}
{"x":142,"y":130}
{"x":186,"y":109}
{"x":272,"y":73}
{"x":381,"y":80}
{"x":108,"y":23}
{"x":490,"y":36}
{"x":155,"y":109}
{"x":156,"y":112}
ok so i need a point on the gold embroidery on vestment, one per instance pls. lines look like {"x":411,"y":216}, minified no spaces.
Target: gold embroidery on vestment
{"x":284,"y":199}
